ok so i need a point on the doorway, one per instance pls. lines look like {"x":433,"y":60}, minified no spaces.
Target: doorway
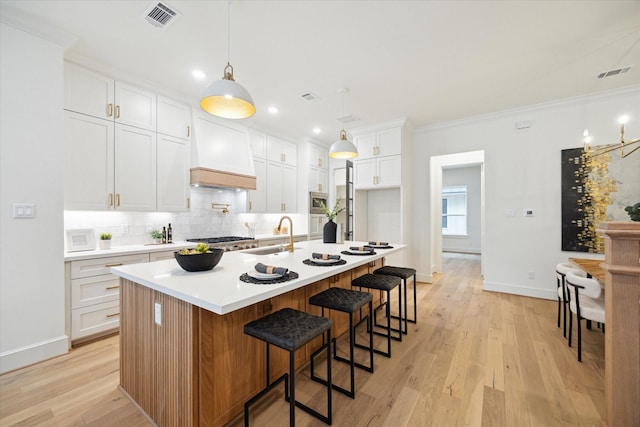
{"x":437,"y":165}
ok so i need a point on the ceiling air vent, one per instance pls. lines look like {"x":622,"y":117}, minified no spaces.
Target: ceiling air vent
{"x":348,"y":118}
{"x":613,"y":72}
{"x":310,"y":96}
{"x":160,"y":15}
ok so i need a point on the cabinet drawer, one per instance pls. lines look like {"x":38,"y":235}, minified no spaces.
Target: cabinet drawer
{"x":94,"y":290}
{"x":98,"y":266}
{"x":159,"y":256}
{"x":94,"y":319}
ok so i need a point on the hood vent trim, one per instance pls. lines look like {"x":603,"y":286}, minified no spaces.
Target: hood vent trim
{"x":212,"y":178}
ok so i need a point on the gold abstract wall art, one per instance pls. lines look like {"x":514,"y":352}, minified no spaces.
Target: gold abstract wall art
{"x":595,"y":189}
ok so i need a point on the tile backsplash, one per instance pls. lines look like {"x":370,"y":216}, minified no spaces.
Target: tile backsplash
{"x":130,"y":228}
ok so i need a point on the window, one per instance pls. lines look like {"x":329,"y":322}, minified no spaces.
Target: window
{"x":454,"y":211}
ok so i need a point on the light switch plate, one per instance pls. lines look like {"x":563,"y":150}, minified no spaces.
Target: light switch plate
{"x":529,"y":212}
{"x":24,"y":210}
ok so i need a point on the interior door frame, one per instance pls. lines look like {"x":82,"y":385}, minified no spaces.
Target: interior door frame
{"x":437,"y":163}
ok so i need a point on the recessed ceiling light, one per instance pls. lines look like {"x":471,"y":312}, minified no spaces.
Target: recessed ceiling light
{"x":198,"y":74}
{"x":273,"y":110}
{"x":317,"y":130}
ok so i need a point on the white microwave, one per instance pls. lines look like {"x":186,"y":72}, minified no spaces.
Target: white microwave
{"x":315,"y":201}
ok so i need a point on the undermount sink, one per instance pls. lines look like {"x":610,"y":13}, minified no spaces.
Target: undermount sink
{"x":268,"y":250}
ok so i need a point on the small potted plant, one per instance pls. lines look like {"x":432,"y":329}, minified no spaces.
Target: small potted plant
{"x":105,"y":240}
{"x":329,"y":231}
{"x":156,"y":235}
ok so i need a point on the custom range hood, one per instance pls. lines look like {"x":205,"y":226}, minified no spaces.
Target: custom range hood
{"x":220,"y":155}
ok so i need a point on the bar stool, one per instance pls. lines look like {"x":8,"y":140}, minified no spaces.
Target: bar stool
{"x":346,"y":301}
{"x":290,"y":329}
{"x":384,"y":283}
{"x":404,"y":273}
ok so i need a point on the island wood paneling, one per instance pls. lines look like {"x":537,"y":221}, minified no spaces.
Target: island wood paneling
{"x":198,"y":367}
{"x":158,"y":362}
{"x":622,"y":319}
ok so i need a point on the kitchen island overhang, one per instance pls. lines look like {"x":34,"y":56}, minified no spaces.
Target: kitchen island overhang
{"x":221,"y":291}
{"x":191,"y":364}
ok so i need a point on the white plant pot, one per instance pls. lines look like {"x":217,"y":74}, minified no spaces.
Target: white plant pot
{"x":105,"y":244}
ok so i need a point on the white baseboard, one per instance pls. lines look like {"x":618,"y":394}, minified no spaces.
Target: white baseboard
{"x":475,"y":251}
{"x":520,"y":290}
{"x":426,"y":278}
{"x":34,"y":353}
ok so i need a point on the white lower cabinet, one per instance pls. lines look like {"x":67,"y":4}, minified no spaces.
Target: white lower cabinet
{"x":316,"y":224}
{"x":94,"y":294}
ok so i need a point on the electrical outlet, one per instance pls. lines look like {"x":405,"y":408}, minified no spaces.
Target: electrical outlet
{"x":158,"y":313}
{"x":124,"y":228}
{"x":22,"y":210}
{"x":531,"y":275}
{"x":149,"y":228}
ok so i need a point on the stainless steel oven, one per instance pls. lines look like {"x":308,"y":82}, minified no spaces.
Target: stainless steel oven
{"x":315,"y":199}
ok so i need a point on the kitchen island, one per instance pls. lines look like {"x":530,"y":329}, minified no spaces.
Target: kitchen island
{"x":184,"y":357}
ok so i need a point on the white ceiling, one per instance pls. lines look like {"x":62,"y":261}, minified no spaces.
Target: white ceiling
{"x":428,"y":61}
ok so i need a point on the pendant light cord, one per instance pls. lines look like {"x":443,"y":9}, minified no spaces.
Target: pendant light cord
{"x":228,"y":31}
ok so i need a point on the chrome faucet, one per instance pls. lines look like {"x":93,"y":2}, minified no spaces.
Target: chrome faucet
{"x":289,"y":247}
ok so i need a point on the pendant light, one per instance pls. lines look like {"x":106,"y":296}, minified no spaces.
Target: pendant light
{"x":226,"y":98}
{"x":343,"y":148}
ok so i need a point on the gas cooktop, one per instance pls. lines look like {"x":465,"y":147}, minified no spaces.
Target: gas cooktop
{"x":222,"y":239}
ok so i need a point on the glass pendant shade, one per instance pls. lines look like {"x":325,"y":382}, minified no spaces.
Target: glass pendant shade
{"x":227,"y":99}
{"x":343,"y":148}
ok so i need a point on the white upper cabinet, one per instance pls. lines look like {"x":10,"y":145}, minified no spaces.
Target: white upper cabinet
{"x":379,"y":161}
{"x":87,"y":92}
{"x":174,"y":118}
{"x":282,"y":187}
{"x":135,"y":107}
{"x":281,"y":151}
{"x":258,"y":143}
{"x":172,"y":172}
{"x":90,"y":93}
{"x":257,"y":199}
{"x":88,"y":169}
{"x":135,"y":169}
{"x":318,"y":157}
{"x":386,"y":142}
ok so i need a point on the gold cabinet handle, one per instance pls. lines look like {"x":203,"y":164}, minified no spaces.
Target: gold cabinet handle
{"x":113,"y":315}
{"x":115,"y":264}
{"x":117,"y":111}
{"x":188,"y":131}
{"x":250,"y":205}
{"x":110,"y":199}
{"x":118,"y":199}
{"x":320,"y":187}
{"x":188,"y":202}
{"x":112,"y":287}
{"x":320,"y":162}
{"x":109,"y":110}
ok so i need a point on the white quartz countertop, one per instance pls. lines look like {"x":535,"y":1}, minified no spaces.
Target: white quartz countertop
{"x":126,"y":250}
{"x":221,"y":291}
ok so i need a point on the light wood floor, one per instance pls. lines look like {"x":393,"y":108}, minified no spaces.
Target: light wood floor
{"x":475,"y":358}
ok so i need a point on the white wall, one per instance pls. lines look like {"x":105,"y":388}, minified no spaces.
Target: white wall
{"x":469,"y":176}
{"x":522,"y":171}
{"x":31,"y":160}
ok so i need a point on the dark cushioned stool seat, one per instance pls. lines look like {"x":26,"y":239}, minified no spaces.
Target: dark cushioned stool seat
{"x":347,"y":301}
{"x":404,"y":273}
{"x":287,"y":328}
{"x":386,"y":284}
{"x":371,"y":281}
{"x":290,"y":329}
{"x":341,"y":299}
